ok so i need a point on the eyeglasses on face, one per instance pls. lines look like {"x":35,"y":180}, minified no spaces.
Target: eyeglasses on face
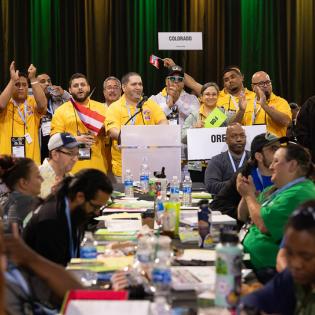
{"x":72,"y":154}
{"x":175,"y":79}
{"x":114,"y":88}
{"x":263,"y":83}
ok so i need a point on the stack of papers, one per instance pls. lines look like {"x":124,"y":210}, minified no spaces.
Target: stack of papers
{"x":129,"y":205}
{"x":105,"y":235}
{"x":122,"y":222}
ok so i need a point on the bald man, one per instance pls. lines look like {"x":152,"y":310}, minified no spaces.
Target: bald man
{"x":222,"y":166}
{"x":266,"y":108}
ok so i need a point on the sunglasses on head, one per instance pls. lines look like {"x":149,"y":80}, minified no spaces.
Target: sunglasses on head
{"x":175,"y":78}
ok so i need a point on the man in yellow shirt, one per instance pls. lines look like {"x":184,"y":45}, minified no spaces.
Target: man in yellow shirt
{"x":121,"y":111}
{"x":20,"y":115}
{"x":265,"y":108}
{"x":66,"y":119}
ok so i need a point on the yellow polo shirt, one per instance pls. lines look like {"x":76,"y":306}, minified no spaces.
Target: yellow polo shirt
{"x":66,"y":119}
{"x":117,"y":116}
{"x":11,"y":125}
{"x":230,"y":103}
{"x":255,"y":115}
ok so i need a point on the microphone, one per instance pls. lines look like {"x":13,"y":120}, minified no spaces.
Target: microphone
{"x":141,"y":102}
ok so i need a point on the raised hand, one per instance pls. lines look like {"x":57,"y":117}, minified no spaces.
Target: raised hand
{"x":31,"y":72}
{"x":14,"y":74}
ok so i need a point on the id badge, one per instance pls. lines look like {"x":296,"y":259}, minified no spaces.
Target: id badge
{"x":28,"y":138}
{"x":18,"y":147}
{"x":243,"y":232}
{"x":46,"y":126}
{"x":173,"y":122}
{"x":85,"y":153}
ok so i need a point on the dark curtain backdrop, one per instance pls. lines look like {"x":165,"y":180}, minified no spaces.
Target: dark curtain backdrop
{"x":112,"y":37}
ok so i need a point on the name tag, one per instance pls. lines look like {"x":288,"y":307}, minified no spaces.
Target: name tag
{"x":85,"y":153}
{"x":46,"y":126}
{"x":28,"y":138}
{"x":18,"y":147}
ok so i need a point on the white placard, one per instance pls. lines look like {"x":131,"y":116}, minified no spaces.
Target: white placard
{"x":204,"y":143}
{"x":180,"y":41}
{"x":94,"y":307}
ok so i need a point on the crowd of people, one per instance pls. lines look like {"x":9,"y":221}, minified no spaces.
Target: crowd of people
{"x":60,"y":155}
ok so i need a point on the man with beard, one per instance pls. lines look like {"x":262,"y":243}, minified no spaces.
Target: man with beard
{"x":67,"y":119}
{"x":292,"y":291}
{"x":266,"y":108}
{"x":56,"y":96}
{"x":56,"y":228}
{"x":262,"y":150}
{"x":222,"y":166}
{"x":122,"y":110}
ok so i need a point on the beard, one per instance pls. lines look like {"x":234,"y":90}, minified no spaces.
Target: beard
{"x":79,"y":216}
{"x":82,"y":98}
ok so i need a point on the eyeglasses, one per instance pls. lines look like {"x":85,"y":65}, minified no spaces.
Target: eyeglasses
{"x":72,"y":154}
{"x":115,"y":88}
{"x":175,"y":79}
{"x":95,"y":206}
{"x":263,"y":83}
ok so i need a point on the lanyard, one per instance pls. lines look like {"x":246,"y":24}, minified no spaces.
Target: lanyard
{"x":133,"y":120}
{"x":233,"y":163}
{"x":234,"y":102}
{"x":71,"y":243}
{"x":13,"y":275}
{"x":23,"y":116}
{"x":285,"y":187}
{"x":50,"y":109}
{"x":255,"y":112}
{"x":260,"y":178}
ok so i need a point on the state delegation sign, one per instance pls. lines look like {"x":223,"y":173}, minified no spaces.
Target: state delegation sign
{"x":204,"y":143}
{"x":180,"y":41}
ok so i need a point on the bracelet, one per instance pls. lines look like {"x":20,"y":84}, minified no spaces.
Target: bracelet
{"x":35,"y":82}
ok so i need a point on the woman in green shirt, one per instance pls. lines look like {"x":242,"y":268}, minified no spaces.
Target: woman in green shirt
{"x":291,"y":168}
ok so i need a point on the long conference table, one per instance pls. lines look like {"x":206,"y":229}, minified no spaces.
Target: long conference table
{"x":193,"y":270}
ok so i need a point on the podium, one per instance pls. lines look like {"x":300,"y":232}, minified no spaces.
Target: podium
{"x":160,"y":144}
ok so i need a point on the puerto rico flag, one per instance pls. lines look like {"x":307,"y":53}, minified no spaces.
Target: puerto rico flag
{"x":154,"y":60}
{"x":92,"y":120}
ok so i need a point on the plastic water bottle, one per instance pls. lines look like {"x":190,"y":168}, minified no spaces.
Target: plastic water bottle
{"x":144,"y":176}
{"x":205,"y":225}
{"x":228,"y":270}
{"x":144,"y":258}
{"x":128,"y":184}
{"x":161,"y":276}
{"x":159,"y":206}
{"x":187,"y":184}
{"x":88,"y":248}
{"x":174,"y":189}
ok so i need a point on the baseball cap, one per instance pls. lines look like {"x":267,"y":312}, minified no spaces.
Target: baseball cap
{"x":62,"y":139}
{"x":263,"y":140}
{"x":176,"y":70}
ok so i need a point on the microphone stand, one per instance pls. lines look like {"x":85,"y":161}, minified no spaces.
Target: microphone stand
{"x":139,"y":106}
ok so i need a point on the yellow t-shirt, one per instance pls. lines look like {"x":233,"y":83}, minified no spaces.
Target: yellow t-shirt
{"x":11,"y":125}
{"x":117,"y":115}
{"x":260,"y":117}
{"x":66,"y":119}
{"x":230,"y":103}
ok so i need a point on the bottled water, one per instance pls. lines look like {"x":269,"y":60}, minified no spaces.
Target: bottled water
{"x":128,"y":184}
{"x":161,"y":272}
{"x":228,"y":270}
{"x":187,"y":184}
{"x":88,"y":248}
{"x":174,"y":189}
{"x":159,"y":206}
{"x":144,"y":176}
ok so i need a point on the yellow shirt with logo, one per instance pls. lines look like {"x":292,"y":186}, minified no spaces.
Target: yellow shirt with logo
{"x":230,"y":103}
{"x":66,"y":119}
{"x":255,"y":115}
{"x":12,"y":125}
{"x":117,"y":116}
